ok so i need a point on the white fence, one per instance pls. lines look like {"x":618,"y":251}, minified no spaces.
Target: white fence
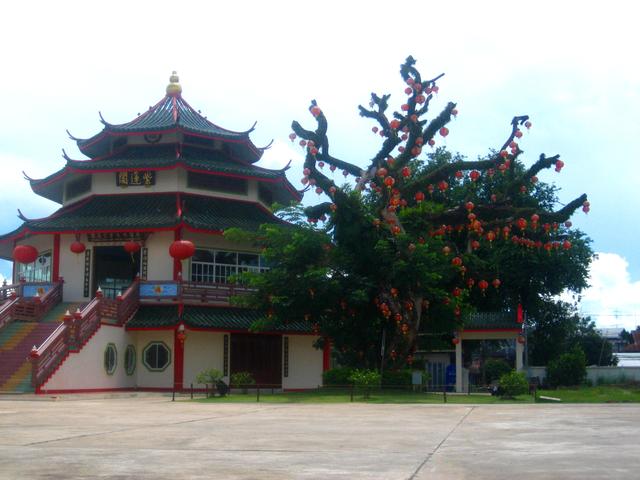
{"x":596,"y":374}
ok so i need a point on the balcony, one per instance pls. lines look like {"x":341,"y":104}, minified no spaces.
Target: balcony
{"x":189,"y":293}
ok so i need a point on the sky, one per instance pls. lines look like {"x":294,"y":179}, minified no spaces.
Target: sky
{"x":570,"y":66}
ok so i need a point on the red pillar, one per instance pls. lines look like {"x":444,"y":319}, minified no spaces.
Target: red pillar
{"x":55,"y":269}
{"x":178,"y":359}
{"x":326,"y":355}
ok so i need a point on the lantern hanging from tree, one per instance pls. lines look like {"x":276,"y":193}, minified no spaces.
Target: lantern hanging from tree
{"x":182,"y":249}
{"x":25,"y":253}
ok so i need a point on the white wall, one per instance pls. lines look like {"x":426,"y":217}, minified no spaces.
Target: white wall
{"x":160,"y":263}
{"x":84,"y":370}
{"x":305,"y":363}
{"x":202,"y":351}
{"x":72,"y":270}
{"x":144,"y":377}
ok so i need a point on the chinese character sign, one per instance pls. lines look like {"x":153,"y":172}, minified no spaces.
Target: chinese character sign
{"x":135,"y":178}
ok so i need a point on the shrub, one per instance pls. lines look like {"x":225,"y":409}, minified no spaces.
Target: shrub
{"x":395,"y":378}
{"x":513,"y":384}
{"x":495,"y":368}
{"x":365,"y":379}
{"x":242,"y":380}
{"x":337,"y":376}
{"x":211,"y":376}
{"x":568,"y":369}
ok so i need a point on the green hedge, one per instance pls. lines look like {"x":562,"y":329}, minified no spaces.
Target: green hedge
{"x":337,"y":376}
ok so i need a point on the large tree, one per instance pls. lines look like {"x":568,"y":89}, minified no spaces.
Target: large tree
{"x":416,"y":239}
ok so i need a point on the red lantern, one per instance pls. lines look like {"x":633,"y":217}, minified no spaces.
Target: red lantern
{"x":456,"y":261}
{"x":389,"y":181}
{"x":77,"y":247}
{"x":455,"y":340}
{"x":25,"y":254}
{"x":474,"y":175}
{"x":315,"y":111}
{"x":520,"y":339}
{"x":131,"y":247}
{"x":483,"y":284}
{"x":444,"y":131}
{"x":419,"y":197}
{"x":522,"y":223}
{"x":181,"y":249}
{"x":406,"y":171}
{"x":496,"y":283}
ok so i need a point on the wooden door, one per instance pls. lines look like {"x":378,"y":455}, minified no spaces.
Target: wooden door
{"x":261,"y":355}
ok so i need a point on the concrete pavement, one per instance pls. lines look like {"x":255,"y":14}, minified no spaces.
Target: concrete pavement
{"x":149,"y":437}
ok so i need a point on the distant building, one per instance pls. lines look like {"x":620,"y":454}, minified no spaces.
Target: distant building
{"x":614,"y":337}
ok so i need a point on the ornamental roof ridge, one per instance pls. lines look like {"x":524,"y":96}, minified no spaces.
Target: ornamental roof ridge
{"x":171,"y":114}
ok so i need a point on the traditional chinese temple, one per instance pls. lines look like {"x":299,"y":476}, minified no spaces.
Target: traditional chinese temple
{"x":127,"y":284}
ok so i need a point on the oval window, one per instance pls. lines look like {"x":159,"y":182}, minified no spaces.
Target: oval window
{"x":130,"y":359}
{"x":110,"y":359}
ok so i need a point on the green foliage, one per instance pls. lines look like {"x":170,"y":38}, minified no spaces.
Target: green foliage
{"x":379,"y":265}
{"x":568,"y":369}
{"x":210,"y":376}
{"x":242,"y":379}
{"x":339,"y":376}
{"x":396,"y":378}
{"x":557,"y":328}
{"x":495,"y":368}
{"x":513,"y":384}
{"x":365,"y":378}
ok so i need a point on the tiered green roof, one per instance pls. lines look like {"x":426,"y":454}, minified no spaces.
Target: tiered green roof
{"x":171,"y":114}
{"x":215,"y":318}
{"x":163,"y":158}
{"x":143,"y":212}
{"x":492,"y":321}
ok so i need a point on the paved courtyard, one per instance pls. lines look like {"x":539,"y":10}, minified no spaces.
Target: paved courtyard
{"x":149,"y":437}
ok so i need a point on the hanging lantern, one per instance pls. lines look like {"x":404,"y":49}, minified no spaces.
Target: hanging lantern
{"x":182,"y":249}
{"x":455,"y":340}
{"x":483,"y":285}
{"x":520,"y":314}
{"x":77,"y":247}
{"x":131,"y":247}
{"x":520,"y":339}
{"x":25,"y":253}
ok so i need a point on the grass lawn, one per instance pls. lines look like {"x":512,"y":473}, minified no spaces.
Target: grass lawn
{"x":598,"y":394}
{"x":344,"y":396}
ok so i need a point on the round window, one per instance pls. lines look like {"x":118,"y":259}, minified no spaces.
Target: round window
{"x":156,"y":356}
{"x":130,"y":359}
{"x":110,"y":359}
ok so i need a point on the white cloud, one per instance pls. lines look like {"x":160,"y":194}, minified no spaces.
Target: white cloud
{"x":613,"y":298}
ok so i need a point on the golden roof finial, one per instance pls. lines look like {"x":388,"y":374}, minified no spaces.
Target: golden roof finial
{"x":174,"y":87}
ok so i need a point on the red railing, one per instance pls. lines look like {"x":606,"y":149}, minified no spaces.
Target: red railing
{"x":6,"y":311}
{"x":124,"y":306}
{"x":48,"y":356}
{"x":69,"y":336}
{"x":34,"y":308}
{"x":9,"y":291}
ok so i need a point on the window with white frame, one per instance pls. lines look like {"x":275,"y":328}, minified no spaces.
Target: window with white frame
{"x":216,"y":266}
{"x":38,"y":271}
